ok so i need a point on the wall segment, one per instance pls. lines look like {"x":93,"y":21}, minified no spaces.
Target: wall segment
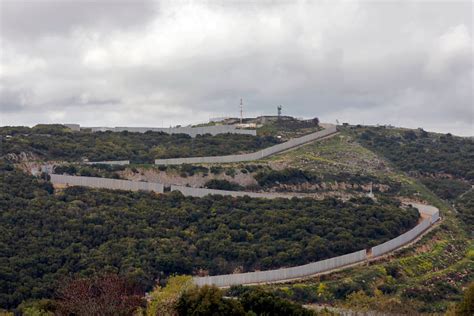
{"x":191,"y":131}
{"x":105,"y":183}
{"x":109,"y":162}
{"x":279,"y":275}
{"x":251,"y":156}
{"x":201,"y":192}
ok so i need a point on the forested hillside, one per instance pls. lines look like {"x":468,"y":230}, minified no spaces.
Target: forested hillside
{"x":443,"y":162}
{"x":48,"y":235}
{"x":421,"y":152}
{"x":465,"y":208}
{"x":428,"y":276}
{"x":56,"y":142}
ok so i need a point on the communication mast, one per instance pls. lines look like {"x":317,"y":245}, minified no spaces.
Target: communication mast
{"x":279,"y":111}
{"x":241,"y":110}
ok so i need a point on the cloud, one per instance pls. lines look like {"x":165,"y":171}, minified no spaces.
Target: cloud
{"x":162,"y":63}
{"x":29,"y":19}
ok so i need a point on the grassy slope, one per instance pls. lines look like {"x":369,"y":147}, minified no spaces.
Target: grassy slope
{"x":336,"y":154}
{"x":424,"y":277}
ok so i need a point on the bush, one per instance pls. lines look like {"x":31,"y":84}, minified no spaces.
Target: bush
{"x":223,"y":185}
{"x":261,"y":302}
{"x":208,"y":300}
{"x":102,"y":295}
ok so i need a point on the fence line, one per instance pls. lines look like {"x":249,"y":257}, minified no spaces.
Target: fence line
{"x":251,"y":156}
{"x":201,"y":192}
{"x":277,"y":275}
{"x":191,"y":131}
{"x":109,"y":162}
{"x":116,"y":184}
{"x":306,"y":270}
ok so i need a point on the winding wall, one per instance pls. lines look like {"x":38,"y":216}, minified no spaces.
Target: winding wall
{"x":116,"y":184}
{"x":251,"y":156}
{"x":429,"y":213}
{"x":279,"y":275}
{"x":270,"y":276}
{"x":432,"y":215}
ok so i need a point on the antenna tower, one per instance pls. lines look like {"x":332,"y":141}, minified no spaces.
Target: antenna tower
{"x":279,"y":111}
{"x":241,"y":110}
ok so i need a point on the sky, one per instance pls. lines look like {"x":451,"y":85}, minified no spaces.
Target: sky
{"x":161,"y":63}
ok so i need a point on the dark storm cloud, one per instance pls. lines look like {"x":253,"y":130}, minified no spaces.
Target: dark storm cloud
{"x":401,"y":63}
{"x":27,"y":19}
{"x":12,"y":100}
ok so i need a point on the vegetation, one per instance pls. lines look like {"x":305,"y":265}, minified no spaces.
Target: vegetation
{"x":466,"y":306}
{"x":96,"y":170}
{"x":111,"y":295}
{"x":288,"y":127}
{"x":164,"y":300}
{"x":56,"y":142}
{"x":426,"y":277}
{"x":362,"y":302}
{"x":108,"y":295}
{"x":208,"y":300}
{"x":47,"y":236}
{"x":223,"y":185}
{"x":465,"y":208}
{"x":262,"y":302}
{"x":420,"y":152}
{"x":269,"y":178}
{"x":336,"y":154}
{"x":445,"y":188}
{"x":181,"y":297}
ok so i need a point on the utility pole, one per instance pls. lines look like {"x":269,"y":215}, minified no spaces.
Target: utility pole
{"x":241,"y":110}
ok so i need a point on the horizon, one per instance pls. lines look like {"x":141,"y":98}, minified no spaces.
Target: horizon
{"x":196,"y":123}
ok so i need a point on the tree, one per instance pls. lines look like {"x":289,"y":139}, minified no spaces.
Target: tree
{"x":44,"y":307}
{"x":103,"y":295}
{"x":163,"y":300}
{"x":208,"y":300}
{"x":410,"y":135}
{"x":466,"y":306}
{"x":261,"y":302}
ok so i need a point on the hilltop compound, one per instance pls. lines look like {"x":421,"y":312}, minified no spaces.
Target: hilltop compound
{"x":191,"y":131}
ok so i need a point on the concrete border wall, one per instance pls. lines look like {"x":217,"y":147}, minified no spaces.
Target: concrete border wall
{"x":115,"y":184}
{"x":277,"y":275}
{"x":109,"y":162}
{"x":400,"y":240}
{"x":431,"y":213}
{"x":428,"y":212}
{"x":201,"y":192}
{"x":251,"y":156}
{"x":191,"y":131}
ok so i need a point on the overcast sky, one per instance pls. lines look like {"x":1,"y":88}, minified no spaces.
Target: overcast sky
{"x":154,"y":63}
